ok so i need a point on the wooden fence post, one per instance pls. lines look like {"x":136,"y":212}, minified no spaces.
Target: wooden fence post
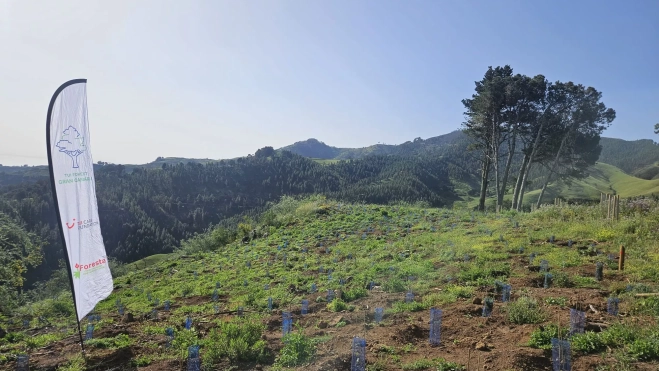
{"x":621,"y":261}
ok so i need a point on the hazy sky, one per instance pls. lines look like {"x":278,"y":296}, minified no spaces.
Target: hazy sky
{"x":220,"y":79}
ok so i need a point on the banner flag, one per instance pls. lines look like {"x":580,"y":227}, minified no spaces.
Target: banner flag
{"x":72,"y":178}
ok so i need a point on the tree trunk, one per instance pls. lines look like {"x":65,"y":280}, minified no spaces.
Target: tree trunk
{"x":506,"y":170}
{"x":518,"y":184}
{"x":495,"y":157}
{"x":553,"y":167}
{"x":485,"y":173}
{"x":520,"y":202}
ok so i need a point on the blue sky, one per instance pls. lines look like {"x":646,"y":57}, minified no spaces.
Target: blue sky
{"x":220,"y":79}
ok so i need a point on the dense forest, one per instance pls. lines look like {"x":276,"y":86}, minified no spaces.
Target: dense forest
{"x":146,"y":212}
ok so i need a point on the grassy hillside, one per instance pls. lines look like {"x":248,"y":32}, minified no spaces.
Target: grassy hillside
{"x":603,"y":178}
{"x":372,"y":256}
{"x":637,"y":157}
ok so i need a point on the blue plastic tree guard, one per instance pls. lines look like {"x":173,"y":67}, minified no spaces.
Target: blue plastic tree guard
{"x":488,"y":306}
{"x":156,"y":301}
{"x":560,"y":355}
{"x":167,"y":304}
{"x":358,"y":362}
{"x":89,"y":333}
{"x":154,"y":314}
{"x":548,"y":280}
{"x":330,"y":295}
{"x":521,"y":250}
{"x":544,"y":265}
{"x":379,"y":314}
{"x":577,"y":321}
{"x":23,"y":362}
{"x":551,"y":239}
{"x":435,"y":326}
{"x":409,"y":297}
{"x":498,"y":287}
{"x":169,"y":332}
{"x":240,"y":311}
{"x":216,"y":295}
{"x":120,"y":309}
{"x":305,"y":307}
{"x":569,"y":243}
{"x":188,"y":323}
{"x":287,"y":323}
{"x":599,"y":271}
{"x":217,"y":285}
{"x":505,"y":294}
{"x":194,"y":361}
{"x":612,"y":306}
{"x":531,"y":258}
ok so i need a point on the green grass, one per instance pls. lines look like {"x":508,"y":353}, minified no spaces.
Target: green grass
{"x":412,"y":249}
{"x":602,"y":178}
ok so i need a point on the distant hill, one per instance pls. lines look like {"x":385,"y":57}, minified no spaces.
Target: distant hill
{"x":638,"y":157}
{"x":313,"y":148}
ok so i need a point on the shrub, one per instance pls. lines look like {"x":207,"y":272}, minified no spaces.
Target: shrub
{"x":239,"y":339}
{"x":649,"y":305}
{"x":588,"y":342}
{"x":298,"y":349}
{"x":337,"y":305}
{"x":525,"y":310}
{"x":645,"y":349}
{"x":541,"y":337}
{"x":561,"y":279}
{"x":354,"y":294}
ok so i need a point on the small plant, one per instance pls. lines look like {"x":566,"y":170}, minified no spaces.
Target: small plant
{"x":560,"y":301}
{"x":239,"y":339}
{"x":525,"y":310}
{"x":438,"y":364}
{"x":587,"y":342}
{"x":541,"y":337}
{"x":354,"y":294}
{"x":117,"y":342}
{"x":561,"y":279}
{"x":298,"y":349}
{"x":337,"y":305}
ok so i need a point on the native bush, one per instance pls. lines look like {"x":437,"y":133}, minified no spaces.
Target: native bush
{"x":239,"y":339}
{"x":525,"y":310}
{"x":541,"y":337}
{"x":298,"y":349}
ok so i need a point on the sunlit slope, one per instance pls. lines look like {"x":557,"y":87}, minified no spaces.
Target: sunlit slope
{"x":603,"y":178}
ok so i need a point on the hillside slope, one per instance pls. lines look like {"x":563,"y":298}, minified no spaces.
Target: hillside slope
{"x":603,"y":178}
{"x":404,"y":260}
{"x":637,"y":157}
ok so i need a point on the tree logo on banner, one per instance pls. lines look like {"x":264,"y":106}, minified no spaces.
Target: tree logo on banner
{"x":72,"y":143}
